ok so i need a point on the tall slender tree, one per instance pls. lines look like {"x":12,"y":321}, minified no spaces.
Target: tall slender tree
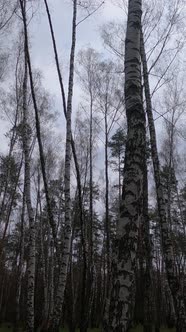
{"x":167,"y":247}
{"x":125,"y":246}
{"x":26,"y":148}
{"x":67,"y":230}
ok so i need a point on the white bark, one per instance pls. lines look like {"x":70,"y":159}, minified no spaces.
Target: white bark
{"x":21,"y":260}
{"x":166,"y":241}
{"x":124,"y":261}
{"x":67,"y":228}
{"x":31,"y":257}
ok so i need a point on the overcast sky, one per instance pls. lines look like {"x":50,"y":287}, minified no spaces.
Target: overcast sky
{"x":42,"y":56}
{"x":88,"y":34}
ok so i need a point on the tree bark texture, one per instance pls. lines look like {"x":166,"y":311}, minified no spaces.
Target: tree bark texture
{"x":20,"y":266}
{"x":148,"y":294}
{"x":32,"y":235}
{"x":166,"y":242}
{"x":67,"y":228}
{"x":124,"y":257}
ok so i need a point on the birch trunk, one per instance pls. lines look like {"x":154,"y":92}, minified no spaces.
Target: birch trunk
{"x":170,"y":168}
{"x":67,"y":228}
{"x":88,"y":264}
{"x":51,"y":286}
{"x":166,"y":292}
{"x":148,"y":296}
{"x":20,"y":266}
{"x":107,"y":232}
{"x":72,"y":141}
{"x":38,"y":129}
{"x":91,"y":182}
{"x":164,"y":227}
{"x":80,"y":200}
{"x":31,"y":257}
{"x":124,"y":258}
{"x":44,"y":270}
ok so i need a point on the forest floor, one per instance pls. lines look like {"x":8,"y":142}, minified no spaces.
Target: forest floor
{"x":8,"y":328}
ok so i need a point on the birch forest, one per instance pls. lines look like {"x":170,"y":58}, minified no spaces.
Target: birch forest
{"x":93,"y":165}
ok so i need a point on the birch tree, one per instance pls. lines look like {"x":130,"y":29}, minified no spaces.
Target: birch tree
{"x":87,"y":70}
{"x":167,"y":246}
{"x":124,"y":260}
{"x":20,"y":266}
{"x":31,"y":259}
{"x":67,"y":230}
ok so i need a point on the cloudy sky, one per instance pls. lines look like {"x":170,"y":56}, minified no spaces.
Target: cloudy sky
{"x":88,"y":34}
{"x":42,"y":56}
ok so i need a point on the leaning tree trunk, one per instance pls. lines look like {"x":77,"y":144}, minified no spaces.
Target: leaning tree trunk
{"x":31,"y":257}
{"x":38,"y":128}
{"x":167,"y":248}
{"x":20,"y":266}
{"x":83,"y":241}
{"x":78,"y":175}
{"x":67,"y":228}
{"x":37,"y":122}
{"x":124,"y":257}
